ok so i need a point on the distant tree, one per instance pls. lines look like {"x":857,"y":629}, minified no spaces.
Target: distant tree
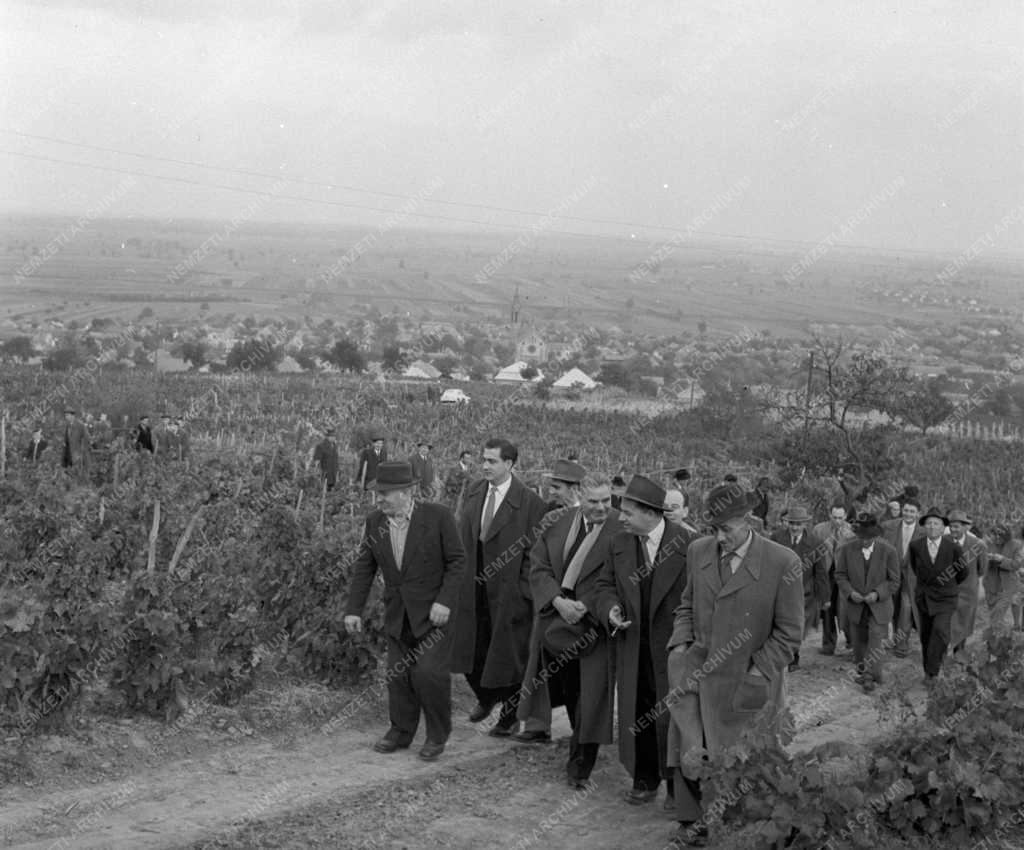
{"x":446,"y":365}
{"x":614,"y":375}
{"x":64,"y":359}
{"x":18,"y":348}
{"x":254,"y":355}
{"x":141,"y":357}
{"x":392,"y":358}
{"x":305,"y":360}
{"x":528,"y":373}
{"x":924,"y":406}
{"x":346,"y":356}
{"x":146,"y":313}
{"x":194,"y":353}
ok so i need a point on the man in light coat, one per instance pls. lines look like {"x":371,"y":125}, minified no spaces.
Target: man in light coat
{"x":976,"y":560}
{"x":834,"y":532}
{"x":905,"y":614}
{"x":737,"y":628}
{"x":868,"y":574}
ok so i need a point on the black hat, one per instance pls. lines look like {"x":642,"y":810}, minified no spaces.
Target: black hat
{"x":575,"y":640}
{"x":618,"y":481}
{"x":393,"y":475}
{"x":645,"y":492}
{"x":422,"y":443}
{"x":567,"y":471}
{"x":933,"y":512}
{"x":728,"y":501}
{"x":866,"y":525}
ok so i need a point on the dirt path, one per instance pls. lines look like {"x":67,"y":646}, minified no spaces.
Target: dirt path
{"x":332,"y":790}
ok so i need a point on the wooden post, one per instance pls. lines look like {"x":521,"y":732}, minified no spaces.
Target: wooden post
{"x":323,"y":503}
{"x":153,"y":532}
{"x":3,"y":444}
{"x":183,"y":541}
{"x":298,"y":503}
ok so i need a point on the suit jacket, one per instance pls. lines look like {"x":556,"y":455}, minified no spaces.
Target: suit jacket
{"x":619,"y":584}
{"x":500,"y":567}
{"x":882,"y":576}
{"x":34,"y":450}
{"x":891,"y":535}
{"x":813,"y":555}
{"x":432,"y":568}
{"x":326,"y":455}
{"x":423,"y":471}
{"x":937,"y":581}
{"x":833,"y":539}
{"x":76,"y":445}
{"x":723,"y":631}
{"x":368,"y":461}
{"x":144,"y":439}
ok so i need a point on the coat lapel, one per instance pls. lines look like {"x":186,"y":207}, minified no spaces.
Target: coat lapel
{"x":413,"y":536}
{"x":668,"y":563}
{"x":383,"y":533}
{"x":503,"y":516}
{"x":749,"y":571}
{"x":596,"y":556}
{"x":626,"y":565}
{"x":473,"y":509}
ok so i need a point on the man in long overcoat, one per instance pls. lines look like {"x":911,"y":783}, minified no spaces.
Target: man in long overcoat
{"x":905,"y":615}
{"x":566,"y":563}
{"x":639,"y":587}
{"x":938,"y":565}
{"x":499,"y":523}
{"x":737,"y":628}
{"x":833,"y":533}
{"x":325,"y":455}
{"x":813,"y":555}
{"x":423,"y":469}
{"x":976,"y":559}
{"x":868,"y":574}
{"x":369,"y":459}
{"x":76,"y":444}
{"x":417,"y":549}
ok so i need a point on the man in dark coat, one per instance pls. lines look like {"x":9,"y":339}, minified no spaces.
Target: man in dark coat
{"x":369,"y":459}
{"x":833,"y":533}
{"x":938,"y":565}
{"x":416,"y":547}
{"x":868,"y":574}
{"x":813,"y":555}
{"x":36,"y":446}
{"x":457,"y":481}
{"x":639,"y":588}
{"x":905,"y":616}
{"x":76,"y":444}
{"x":760,"y":494}
{"x":144,"y":436}
{"x":423,"y":470}
{"x":736,"y":630}
{"x":499,"y":524}
{"x":566,"y":564}
{"x":325,"y":455}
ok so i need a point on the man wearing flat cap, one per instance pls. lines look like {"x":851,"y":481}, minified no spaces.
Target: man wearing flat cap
{"x":938,"y":565}
{"x":565,"y":565}
{"x":813,"y":555}
{"x":534,"y":708}
{"x":416,"y":547}
{"x":737,"y":628}
{"x":976,"y":560}
{"x":639,"y":588}
{"x":868,"y":576}
{"x":423,"y":469}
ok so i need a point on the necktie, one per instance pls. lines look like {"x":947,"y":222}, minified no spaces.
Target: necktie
{"x":485,"y":523}
{"x":583,"y":532}
{"x":645,"y":589}
{"x":725,"y":566}
{"x":645,"y":554}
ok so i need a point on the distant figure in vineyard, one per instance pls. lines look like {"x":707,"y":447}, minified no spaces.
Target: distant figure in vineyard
{"x":905,"y":617}
{"x":458,"y":479}
{"x":638,"y":590}
{"x":833,"y":533}
{"x":370,"y":458}
{"x":976,"y":560}
{"x":618,"y":488}
{"x":181,"y":435}
{"x":423,"y":470}
{"x":36,"y":446}
{"x":325,"y":455}
{"x":760,"y":494}
{"x":416,"y":547}
{"x":76,"y":444}
{"x":102,"y":433}
{"x":938,"y":565}
{"x":1002,"y":582}
{"x":868,"y":574}
{"x":143,"y":437}
{"x":499,"y":523}
{"x":162,"y":437}
{"x":736,"y":629}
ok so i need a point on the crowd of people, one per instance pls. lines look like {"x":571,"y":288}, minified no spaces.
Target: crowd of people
{"x":612,"y":593}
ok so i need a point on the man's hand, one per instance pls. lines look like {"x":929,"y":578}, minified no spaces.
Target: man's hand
{"x":871,"y":597}
{"x":571,"y":611}
{"x":616,"y":621}
{"x":439,"y":614}
{"x":353,"y":624}
{"x":855,"y":596}
{"x":825,"y":606}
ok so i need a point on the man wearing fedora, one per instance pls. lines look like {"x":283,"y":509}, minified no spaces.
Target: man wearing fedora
{"x":416,"y":547}
{"x":976,"y":560}
{"x":736,"y":630}
{"x":499,"y":522}
{"x":638,"y":589}
{"x":423,"y":469}
{"x":534,"y":708}
{"x":814,"y":575}
{"x":325,"y":455}
{"x":369,"y":459}
{"x":566,"y":563}
{"x":868,"y":575}
{"x":938,"y":565}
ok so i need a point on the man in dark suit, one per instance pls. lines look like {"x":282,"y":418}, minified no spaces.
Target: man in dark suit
{"x":813,"y":555}
{"x":76,"y":444}
{"x":638,"y":590}
{"x":499,"y":523}
{"x":905,"y":617}
{"x":416,"y":547}
{"x":868,"y":574}
{"x":566,"y":565}
{"x":325,"y":455}
{"x":369,"y":459}
{"x":457,"y":481}
{"x":144,"y":436}
{"x":423,"y":470}
{"x":760,"y":494}
{"x":37,"y":445}
{"x":938,"y":565}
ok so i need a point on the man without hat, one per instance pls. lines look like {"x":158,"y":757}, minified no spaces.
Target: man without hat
{"x":905,"y":616}
{"x":534,"y":708}
{"x":76,"y":445}
{"x":813,"y":577}
{"x":938,"y":565}
{"x":499,"y":524}
{"x":423,"y":469}
{"x":369,"y":459}
{"x":736,"y":630}
{"x":639,"y":588}
{"x":565,"y":567}
{"x":833,"y":533}
{"x":868,"y":575}
{"x":976,"y":560}
{"x":325,"y":455}
{"x":417,"y":549}
{"x":144,"y":436}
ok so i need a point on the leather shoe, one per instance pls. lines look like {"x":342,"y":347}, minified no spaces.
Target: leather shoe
{"x":430,"y":752}
{"x":499,"y":731}
{"x":826,"y":651}
{"x":639,"y":796}
{"x":690,"y":835}
{"x":481,"y":712}
{"x":533,"y":736}
{"x":576,"y":784}
{"x":669,"y":804}
{"x":389,"y":745}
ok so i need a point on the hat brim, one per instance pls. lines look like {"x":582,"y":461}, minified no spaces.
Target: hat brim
{"x":384,"y":488}
{"x":798,"y":518}
{"x":927,"y":517}
{"x":873,"y":530}
{"x":643,"y":502}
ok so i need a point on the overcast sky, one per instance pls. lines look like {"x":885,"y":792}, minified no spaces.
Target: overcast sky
{"x":803,"y":114}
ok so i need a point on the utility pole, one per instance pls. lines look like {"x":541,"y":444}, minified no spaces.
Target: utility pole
{"x":807,"y":396}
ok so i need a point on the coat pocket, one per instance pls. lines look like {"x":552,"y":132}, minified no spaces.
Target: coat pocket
{"x":751,"y":693}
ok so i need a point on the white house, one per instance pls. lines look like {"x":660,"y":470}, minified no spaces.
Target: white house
{"x":421,"y":369}
{"x":575,"y":378}
{"x":512,"y":374}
